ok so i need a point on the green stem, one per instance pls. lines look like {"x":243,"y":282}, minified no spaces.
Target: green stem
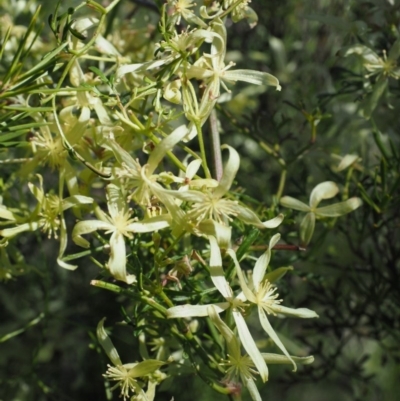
{"x":281,"y":187}
{"x":202,"y":149}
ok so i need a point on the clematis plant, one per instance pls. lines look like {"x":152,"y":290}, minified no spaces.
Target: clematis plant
{"x":120,"y":224}
{"x":211,"y":211}
{"x":241,"y":366}
{"x":324,"y":190}
{"x":130,"y":377}
{"x":262,"y":293}
{"x":48,"y":217}
{"x":235,"y":304}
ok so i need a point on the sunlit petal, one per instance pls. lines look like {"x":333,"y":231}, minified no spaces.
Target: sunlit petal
{"x":263,"y":262}
{"x":250,"y":346}
{"x":195,"y":310}
{"x":271,"y":332}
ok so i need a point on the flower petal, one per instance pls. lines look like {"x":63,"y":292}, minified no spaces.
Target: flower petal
{"x":192,"y":168}
{"x":347,"y":161}
{"x":145,"y":367}
{"x":279,"y":359}
{"x":6,"y":214}
{"x":246,"y":290}
{"x":86,"y":227}
{"x":307,"y":226}
{"x":151,"y":224}
{"x":252,"y":388}
{"x":12,"y":232}
{"x":263,"y":262}
{"x":271,"y":332}
{"x":324,"y":190}
{"x":216,"y":271}
{"x":220,"y":231}
{"x":300,"y":312}
{"x":195,"y":310}
{"x":165,"y":146}
{"x":339,"y":209}
{"x":75,"y":200}
{"x":292,"y":203}
{"x":117,"y":261}
{"x":249,"y":217}
{"x":252,"y":77}
{"x":107,"y":344}
{"x":232,"y":342}
{"x":250,"y":346}
{"x":230,"y":170}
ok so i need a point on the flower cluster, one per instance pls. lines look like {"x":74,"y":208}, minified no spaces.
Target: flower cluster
{"x":121,"y":130}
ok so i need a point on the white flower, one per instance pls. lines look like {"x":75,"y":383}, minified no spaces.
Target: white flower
{"x":210,"y":211}
{"x":263,"y":294}
{"x":235,"y":303}
{"x":48,"y":216}
{"x":126,"y":375}
{"x":324,"y":190}
{"x":119,"y":223}
{"x":241,"y":366}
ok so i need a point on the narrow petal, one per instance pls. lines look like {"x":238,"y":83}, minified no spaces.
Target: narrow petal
{"x":192,"y":168}
{"x":232,"y":342}
{"x":347,"y":161}
{"x":75,"y":200}
{"x":146,"y":367}
{"x":117,"y":261}
{"x":271,"y":332}
{"x":187,"y":196}
{"x":230,"y":169}
{"x":12,"y":232}
{"x":252,"y":77}
{"x":151,"y":224}
{"x":128,"y":68}
{"x":250,"y":346}
{"x":220,"y":231}
{"x":6,"y":214}
{"x":325,"y":190}
{"x":292,"y":203}
{"x":107,"y":344}
{"x":253,"y":390}
{"x":339,"y":209}
{"x":249,"y":217}
{"x":279,"y":359}
{"x":307,"y":226}
{"x":216,"y":271}
{"x":165,"y":146}
{"x":195,"y":310}
{"x":263,"y":262}
{"x":246,"y":290}
{"x":300,"y":312}
{"x":63,"y":246}
{"x":86,"y":227}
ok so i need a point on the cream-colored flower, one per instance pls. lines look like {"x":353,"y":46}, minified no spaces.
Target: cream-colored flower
{"x":130,"y":377}
{"x":48,"y":217}
{"x":263,"y":294}
{"x":324,"y":190}
{"x":211,"y":209}
{"x":119,"y":223}
{"x":241,"y":366}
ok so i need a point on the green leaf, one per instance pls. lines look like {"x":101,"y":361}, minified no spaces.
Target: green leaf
{"x":100,"y":74}
{"x":370,"y":103}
